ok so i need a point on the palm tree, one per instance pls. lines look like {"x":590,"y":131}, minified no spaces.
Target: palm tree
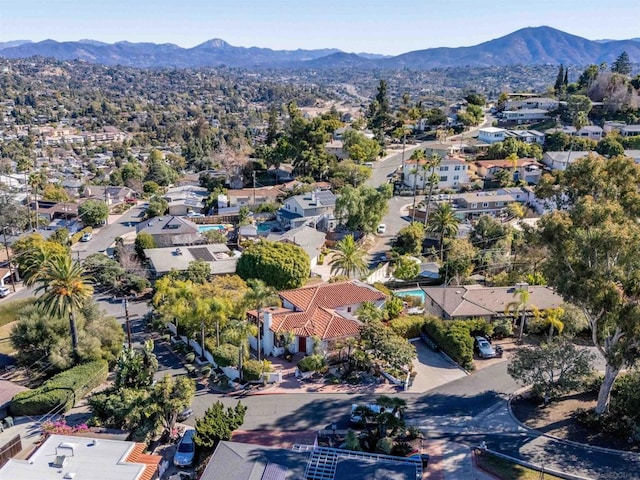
{"x":519,"y":307}
{"x":260,"y":296}
{"x":349,"y":259}
{"x":417,"y":156}
{"x":433,"y":162}
{"x":64,"y":287}
{"x":445,"y":223}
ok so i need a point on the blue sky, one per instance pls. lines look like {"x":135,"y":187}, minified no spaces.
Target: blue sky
{"x":376,"y":26}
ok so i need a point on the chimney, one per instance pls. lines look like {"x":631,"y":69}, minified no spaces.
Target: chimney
{"x":267,"y":320}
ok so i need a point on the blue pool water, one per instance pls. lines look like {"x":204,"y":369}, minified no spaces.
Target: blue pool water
{"x":412,"y":293}
{"x":264,"y":227}
{"x":206,"y":228}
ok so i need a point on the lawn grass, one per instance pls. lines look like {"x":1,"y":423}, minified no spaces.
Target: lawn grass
{"x":9,"y":310}
{"x":506,"y":470}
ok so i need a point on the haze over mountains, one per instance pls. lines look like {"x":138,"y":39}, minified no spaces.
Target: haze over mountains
{"x":531,"y":46}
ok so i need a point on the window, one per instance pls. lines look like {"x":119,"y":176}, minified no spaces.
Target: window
{"x":499,"y":204}
{"x":485,"y":205}
{"x":457,"y":168}
{"x":443,"y":178}
{"x":456,"y":177}
{"x":474,"y":205}
{"x":444,"y":169}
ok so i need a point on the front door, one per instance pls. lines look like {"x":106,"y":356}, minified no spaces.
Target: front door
{"x":302,"y":344}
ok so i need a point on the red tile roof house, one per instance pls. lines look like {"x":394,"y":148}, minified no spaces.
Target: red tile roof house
{"x":325,"y":311}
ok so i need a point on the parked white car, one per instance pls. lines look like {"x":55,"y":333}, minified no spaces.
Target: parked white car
{"x":382,"y":228}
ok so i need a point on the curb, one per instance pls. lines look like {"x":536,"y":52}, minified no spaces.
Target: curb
{"x":563,"y":440}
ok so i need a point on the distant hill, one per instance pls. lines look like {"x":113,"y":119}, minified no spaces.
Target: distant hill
{"x":531,"y":46}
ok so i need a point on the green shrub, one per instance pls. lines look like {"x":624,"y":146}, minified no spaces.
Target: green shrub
{"x":312,"y":363}
{"x":190,"y":357}
{"x":453,"y":337}
{"x":226,"y":355}
{"x":252,"y":370}
{"x":502,"y":328}
{"x":384,"y":445}
{"x":408,"y":326}
{"x":61,"y":391}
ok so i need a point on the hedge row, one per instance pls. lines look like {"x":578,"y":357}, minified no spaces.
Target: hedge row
{"x":408,"y":326}
{"x":455,"y":338}
{"x":252,"y":370}
{"x":60,"y":392}
{"x":226,"y":355}
{"x":75,"y":238}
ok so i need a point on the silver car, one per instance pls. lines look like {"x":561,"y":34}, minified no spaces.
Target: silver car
{"x":484,"y":348}
{"x":186,"y":450}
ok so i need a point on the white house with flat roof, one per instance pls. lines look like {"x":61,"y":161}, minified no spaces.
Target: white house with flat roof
{"x":453,"y":173}
{"x":525,"y":115}
{"x":65,"y":457}
{"x":491,"y":134}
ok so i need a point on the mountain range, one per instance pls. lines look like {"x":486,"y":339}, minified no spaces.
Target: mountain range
{"x":529,"y":46}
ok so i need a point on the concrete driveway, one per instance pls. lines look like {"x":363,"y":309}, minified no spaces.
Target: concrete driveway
{"x":433,"y":369}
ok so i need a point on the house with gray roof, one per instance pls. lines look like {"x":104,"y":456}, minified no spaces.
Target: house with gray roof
{"x":309,"y":239}
{"x":163,"y":260}
{"x":314,"y":208}
{"x":242,"y":461}
{"x":561,"y":160}
{"x":477,"y":301}
{"x":186,"y":199}
{"x":170,"y":231}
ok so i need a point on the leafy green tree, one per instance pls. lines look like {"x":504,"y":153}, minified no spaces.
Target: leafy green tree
{"x":104,"y":271}
{"x":159,"y":171}
{"x":63,"y":287}
{"x":93,"y":212}
{"x":362,"y":208}
{"x":135,"y":368}
{"x":158,"y":206}
{"x":622,"y":64}
{"x":280,"y":265}
{"x":61,"y":236}
{"x":218,"y":424}
{"x":143,"y":241}
{"x":214,"y":236}
{"x":386,"y":345}
{"x":410,"y":238}
{"x":459,"y":260}
{"x":559,"y":80}
{"x":444,"y":223}
{"x":577,"y":104}
{"x":379,"y":116}
{"x":55,"y":193}
{"x":169,"y":397}
{"x":349,"y":258}
{"x":592,"y":256}
{"x":476,"y":99}
{"x":198,"y":271}
{"x":406,"y":268}
{"x":359,"y":148}
{"x":552,"y":368}
{"x":610,"y":146}
{"x":587,"y":77}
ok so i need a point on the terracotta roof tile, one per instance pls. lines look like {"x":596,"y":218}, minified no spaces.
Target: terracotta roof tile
{"x":151,"y":462}
{"x":316,"y":315}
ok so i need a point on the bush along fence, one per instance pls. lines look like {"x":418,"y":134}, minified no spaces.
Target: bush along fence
{"x":59,"y":393}
{"x":226,"y":358}
{"x":455,"y":338}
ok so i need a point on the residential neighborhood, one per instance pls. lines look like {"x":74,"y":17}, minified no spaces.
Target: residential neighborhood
{"x":220,"y":274}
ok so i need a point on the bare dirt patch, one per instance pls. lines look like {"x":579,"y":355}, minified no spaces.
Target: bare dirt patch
{"x":557,"y":420}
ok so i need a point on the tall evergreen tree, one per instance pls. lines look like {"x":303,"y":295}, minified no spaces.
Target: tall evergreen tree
{"x":566,"y":77}
{"x":622,"y":64}
{"x":559,"y":79}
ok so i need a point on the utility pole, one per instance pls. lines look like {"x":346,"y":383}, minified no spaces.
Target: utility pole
{"x":125,"y":302}
{"x":26,"y":186}
{"x":404,"y":139}
{"x":106,"y":202}
{"x":254,"y":187}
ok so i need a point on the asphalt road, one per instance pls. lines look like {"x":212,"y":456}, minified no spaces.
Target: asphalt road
{"x":104,"y":237}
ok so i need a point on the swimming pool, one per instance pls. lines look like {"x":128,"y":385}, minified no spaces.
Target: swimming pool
{"x":416,"y":292}
{"x":206,"y":228}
